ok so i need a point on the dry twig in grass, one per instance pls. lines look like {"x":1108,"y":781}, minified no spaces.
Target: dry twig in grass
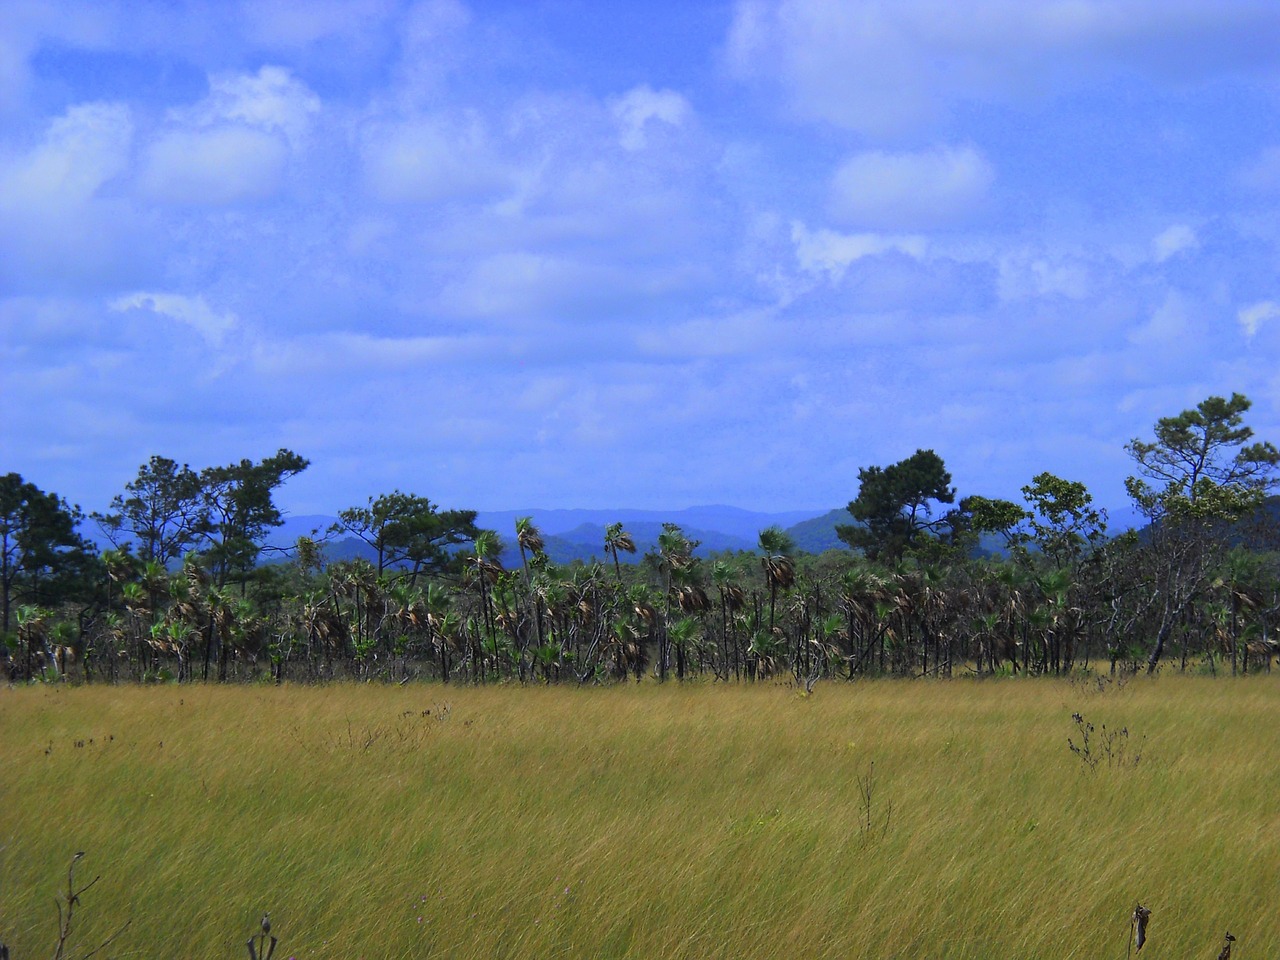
{"x":72,"y":900}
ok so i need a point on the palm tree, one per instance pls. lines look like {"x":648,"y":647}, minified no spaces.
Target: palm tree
{"x":762,"y":654}
{"x":529,"y":540}
{"x":485,"y":570}
{"x":732,"y":598}
{"x":33,"y":630}
{"x":120,"y":568}
{"x":861,"y":590}
{"x":446,"y":629}
{"x":615,"y":539}
{"x":404,"y":614}
{"x":675,"y":555}
{"x":1054,"y":586}
{"x":317,"y":620}
{"x":139,"y":613}
{"x":682,"y":633}
{"x":779,"y":569}
{"x":1238,"y":578}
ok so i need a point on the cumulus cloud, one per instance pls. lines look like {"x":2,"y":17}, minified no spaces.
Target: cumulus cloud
{"x":61,"y":217}
{"x":888,"y":67}
{"x":1173,"y":241}
{"x":909,"y":190}
{"x":1255,"y":315}
{"x":432,"y":158}
{"x":271,"y":99}
{"x":82,"y":150}
{"x":1168,"y":326}
{"x":1027,"y":274}
{"x":234,"y":145}
{"x":223,"y":165}
{"x":286,"y":23}
{"x":642,"y":105}
{"x":194,"y":312}
{"x":831,"y":253}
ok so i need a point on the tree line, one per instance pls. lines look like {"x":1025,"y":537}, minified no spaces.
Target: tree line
{"x":933,"y":585}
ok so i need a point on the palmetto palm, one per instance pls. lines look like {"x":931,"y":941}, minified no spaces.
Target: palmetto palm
{"x":763,"y":653}
{"x":33,"y":631}
{"x":682,"y":634}
{"x":1240,"y":578}
{"x":732,"y":598}
{"x":530,"y":541}
{"x":446,"y":635}
{"x":615,"y":539}
{"x":485,"y":569}
{"x":779,"y":568}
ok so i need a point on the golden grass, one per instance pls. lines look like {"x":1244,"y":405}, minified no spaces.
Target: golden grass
{"x":643,"y":822}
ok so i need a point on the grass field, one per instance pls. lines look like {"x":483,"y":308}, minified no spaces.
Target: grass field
{"x":645,"y":822}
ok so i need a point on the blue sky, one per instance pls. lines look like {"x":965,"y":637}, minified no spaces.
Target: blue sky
{"x":630,"y":254}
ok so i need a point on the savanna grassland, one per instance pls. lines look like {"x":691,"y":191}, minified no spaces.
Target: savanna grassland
{"x":646,"y":821}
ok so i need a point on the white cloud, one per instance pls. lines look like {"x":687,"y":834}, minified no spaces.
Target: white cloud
{"x":234,"y":145}
{"x":1253,"y":316}
{"x":1169,"y":325}
{"x":641,"y":105}
{"x":195,"y":312}
{"x":81,"y":151}
{"x":430,"y":159}
{"x":829,"y":252}
{"x":1176,"y":239}
{"x":63,"y":221}
{"x":909,"y":190}
{"x":271,"y":99}
{"x":1029,"y":274}
{"x":220,"y":165}
{"x":521,"y":288}
{"x":889,"y":67}
{"x":287,"y":23}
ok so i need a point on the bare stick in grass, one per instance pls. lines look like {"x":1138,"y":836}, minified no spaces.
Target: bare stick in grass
{"x":72,"y":900}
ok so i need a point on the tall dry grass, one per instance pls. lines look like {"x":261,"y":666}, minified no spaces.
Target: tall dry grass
{"x":644,"y":822}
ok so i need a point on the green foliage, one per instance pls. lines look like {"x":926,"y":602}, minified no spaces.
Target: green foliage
{"x":987,"y":515}
{"x":1202,"y":465}
{"x":409,"y":531}
{"x":242,"y":508}
{"x":1063,"y":523}
{"x":164,"y":511}
{"x":43,"y":559}
{"x":896,"y":504}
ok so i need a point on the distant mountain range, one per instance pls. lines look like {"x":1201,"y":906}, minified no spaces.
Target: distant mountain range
{"x":579,"y":534}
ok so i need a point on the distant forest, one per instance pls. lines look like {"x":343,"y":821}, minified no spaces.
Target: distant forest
{"x":925,"y":583}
